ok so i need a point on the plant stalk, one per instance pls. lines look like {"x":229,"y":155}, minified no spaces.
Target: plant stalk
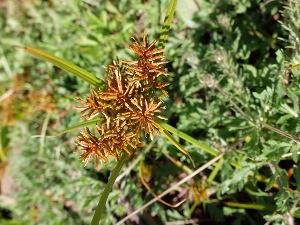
{"x":100,"y":207}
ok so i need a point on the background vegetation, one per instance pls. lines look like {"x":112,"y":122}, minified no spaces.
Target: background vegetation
{"x":227,"y":75}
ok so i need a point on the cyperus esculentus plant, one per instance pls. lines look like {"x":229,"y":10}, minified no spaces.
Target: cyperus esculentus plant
{"x":129,"y":104}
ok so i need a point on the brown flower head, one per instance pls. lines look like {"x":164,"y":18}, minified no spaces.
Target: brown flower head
{"x":128,"y":104}
{"x":92,"y":106}
{"x":91,"y":146}
{"x":142,"y":114}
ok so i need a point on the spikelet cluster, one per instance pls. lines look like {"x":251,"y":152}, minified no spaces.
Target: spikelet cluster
{"x":130,"y":103}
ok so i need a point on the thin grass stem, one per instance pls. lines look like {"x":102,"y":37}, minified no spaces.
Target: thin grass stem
{"x":44,"y":130}
{"x":100,"y":207}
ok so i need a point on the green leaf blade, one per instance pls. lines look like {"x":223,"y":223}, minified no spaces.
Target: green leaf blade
{"x":65,"y":65}
{"x":79,"y":125}
{"x":167,"y":23}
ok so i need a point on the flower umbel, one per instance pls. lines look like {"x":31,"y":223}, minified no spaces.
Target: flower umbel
{"x":129,"y":104}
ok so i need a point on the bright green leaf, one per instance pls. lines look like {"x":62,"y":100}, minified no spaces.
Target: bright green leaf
{"x":80,"y":125}
{"x":167,"y":23}
{"x":174,"y":142}
{"x":65,"y":65}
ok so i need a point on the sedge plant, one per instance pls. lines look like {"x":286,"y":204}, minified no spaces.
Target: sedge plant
{"x":125,"y":102}
{"x":128,"y":101}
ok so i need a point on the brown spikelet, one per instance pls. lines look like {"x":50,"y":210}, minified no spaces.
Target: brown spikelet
{"x":128,"y":105}
{"x":142,"y":114}
{"x":91,"y":146}
{"x":92,"y":106}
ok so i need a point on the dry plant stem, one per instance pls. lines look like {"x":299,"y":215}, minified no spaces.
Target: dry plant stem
{"x":292,"y":137}
{"x":172,"y":188}
{"x":6,"y":95}
{"x":152,"y":192}
{"x":177,"y":163}
{"x":294,"y":208}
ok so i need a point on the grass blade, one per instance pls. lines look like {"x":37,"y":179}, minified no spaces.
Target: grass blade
{"x":75,"y":127}
{"x":189,"y":139}
{"x":166,"y":25}
{"x":174,"y":142}
{"x":65,"y":65}
{"x":80,"y":125}
{"x":297,"y":66}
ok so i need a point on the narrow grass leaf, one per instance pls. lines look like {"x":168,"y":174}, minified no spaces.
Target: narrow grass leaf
{"x":189,"y":139}
{"x":166,"y":25}
{"x":297,"y":66}
{"x":174,"y":142}
{"x":65,"y":65}
{"x":250,"y":206}
{"x":80,"y":125}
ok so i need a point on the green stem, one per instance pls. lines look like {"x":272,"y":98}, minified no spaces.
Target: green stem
{"x":100,"y":207}
{"x":3,"y":157}
{"x":176,"y":144}
{"x":191,"y":211}
{"x":215,"y":171}
{"x":44,"y":130}
{"x":166,"y":25}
